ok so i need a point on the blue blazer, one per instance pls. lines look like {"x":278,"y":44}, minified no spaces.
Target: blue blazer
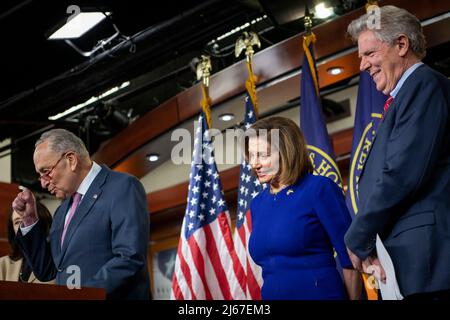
{"x":107,"y":239}
{"x":404,"y":188}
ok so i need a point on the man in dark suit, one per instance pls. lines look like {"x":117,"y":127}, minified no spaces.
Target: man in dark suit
{"x":100,"y":232}
{"x":404,"y":189}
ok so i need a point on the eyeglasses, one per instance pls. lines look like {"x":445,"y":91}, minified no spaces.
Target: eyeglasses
{"x":45,"y":175}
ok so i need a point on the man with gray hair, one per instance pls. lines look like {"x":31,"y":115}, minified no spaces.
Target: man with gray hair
{"x":404,"y":187}
{"x":100,"y":232}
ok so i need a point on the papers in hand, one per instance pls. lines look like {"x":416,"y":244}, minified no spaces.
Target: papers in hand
{"x":390,"y":289}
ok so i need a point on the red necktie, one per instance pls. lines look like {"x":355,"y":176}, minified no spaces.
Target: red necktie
{"x":386,"y":106}
{"x":75,"y":201}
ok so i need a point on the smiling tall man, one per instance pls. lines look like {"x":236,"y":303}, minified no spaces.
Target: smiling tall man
{"x":405,"y":184}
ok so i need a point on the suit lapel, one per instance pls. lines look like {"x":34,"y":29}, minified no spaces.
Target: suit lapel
{"x":377,"y":132}
{"x":91,"y":196}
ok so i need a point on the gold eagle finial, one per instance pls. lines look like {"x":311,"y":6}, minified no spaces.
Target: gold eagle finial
{"x":203,"y":69}
{"x":246,"y":41}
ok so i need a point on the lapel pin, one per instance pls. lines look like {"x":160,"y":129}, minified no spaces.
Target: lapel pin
{"x":289,"y":191}
{"x":95,"y":196}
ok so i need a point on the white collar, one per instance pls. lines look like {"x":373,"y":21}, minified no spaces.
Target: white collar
{"x":403,"y":78}
{"x":87,"y":181}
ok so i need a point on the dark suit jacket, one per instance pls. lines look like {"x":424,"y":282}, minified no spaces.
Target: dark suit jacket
{"x":404,"y":189}
{"x":107,"y":239}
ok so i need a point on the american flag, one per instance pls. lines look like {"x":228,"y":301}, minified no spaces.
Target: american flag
{"x":249,"y":187}
{"x":207,"y":266}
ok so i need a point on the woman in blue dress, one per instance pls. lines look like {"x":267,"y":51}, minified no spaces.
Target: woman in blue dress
{"x":299,"y":222}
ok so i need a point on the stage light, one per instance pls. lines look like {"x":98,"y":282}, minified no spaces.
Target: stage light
{"x":78,"y":25}
{"x":323,"y":12}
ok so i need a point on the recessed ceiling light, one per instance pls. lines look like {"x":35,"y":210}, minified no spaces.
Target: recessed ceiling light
{"x":334,"y":71}
{"x":153,"y":157}
{"x":226,"y":117}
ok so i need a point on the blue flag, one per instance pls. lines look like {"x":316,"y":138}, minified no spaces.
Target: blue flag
{"x":312,"y":120}
{"x":369,"y":107}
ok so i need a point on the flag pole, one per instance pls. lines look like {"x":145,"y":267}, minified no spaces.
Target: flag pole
{"x":309,"y":38}
{"x":206,"y":267}
{"x":369,"y":283}
{"x":247,"y":41}
{"x":249,"y":186}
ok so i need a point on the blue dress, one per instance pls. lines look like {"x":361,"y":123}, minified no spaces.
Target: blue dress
{"x":293,"y":236}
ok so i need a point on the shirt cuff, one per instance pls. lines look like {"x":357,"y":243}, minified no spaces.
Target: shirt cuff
{"x":25,"y":230}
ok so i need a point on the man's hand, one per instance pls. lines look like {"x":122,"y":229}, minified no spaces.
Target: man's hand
{"x":357,"y":263}
{"x":373,"y":267}
{"x":25,"y":205}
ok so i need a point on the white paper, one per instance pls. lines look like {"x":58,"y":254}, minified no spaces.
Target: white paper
{"x":390,"y":289}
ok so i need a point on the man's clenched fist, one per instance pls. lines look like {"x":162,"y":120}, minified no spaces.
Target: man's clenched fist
{"x":25,"y":205}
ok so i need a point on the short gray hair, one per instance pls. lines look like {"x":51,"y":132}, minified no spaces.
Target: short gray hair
{"x":393,"y":22}
{"x":62,"y":140}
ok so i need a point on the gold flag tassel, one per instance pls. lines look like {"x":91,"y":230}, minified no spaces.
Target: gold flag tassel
{"x":250,"y":84}
{"x":206,"y":104}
